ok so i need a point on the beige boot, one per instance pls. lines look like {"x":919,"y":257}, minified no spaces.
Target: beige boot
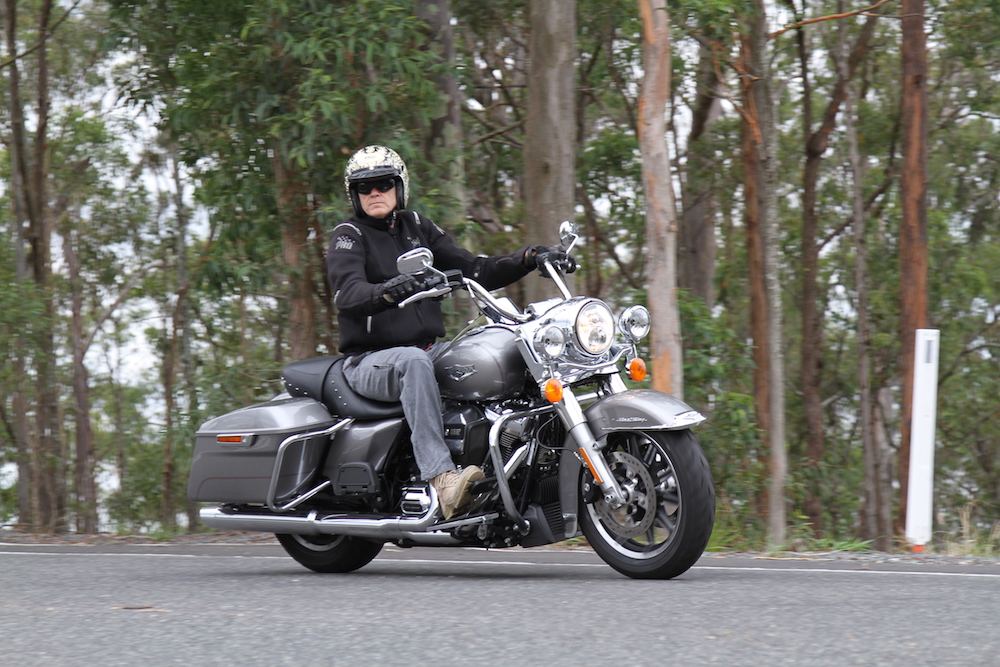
{"x":453,"y":489}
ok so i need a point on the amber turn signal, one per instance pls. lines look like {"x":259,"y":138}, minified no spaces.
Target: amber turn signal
{"x":554,"y":390}
{"x":590,"y":465}
{"x":637,"y":369}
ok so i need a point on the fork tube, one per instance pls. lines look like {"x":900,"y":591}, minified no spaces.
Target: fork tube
{"x":578,"y":428}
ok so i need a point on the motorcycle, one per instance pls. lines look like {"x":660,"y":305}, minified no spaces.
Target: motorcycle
{"x":536,"y":398}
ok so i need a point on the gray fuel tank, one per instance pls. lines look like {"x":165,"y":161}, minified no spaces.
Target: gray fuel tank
{"x":481,"y":365}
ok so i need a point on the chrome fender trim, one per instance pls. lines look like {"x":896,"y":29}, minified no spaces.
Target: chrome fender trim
{"x":641,"y":410}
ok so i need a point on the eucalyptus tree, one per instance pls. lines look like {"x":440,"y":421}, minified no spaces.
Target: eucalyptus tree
{"x":263,"y":102}
{"x":549,"y":174}
{"x":658,"y":191}
{"x":51,"y":64}
{"x":913,"y":224}
{"x":816,"y":140}
{"x":29,"y":49}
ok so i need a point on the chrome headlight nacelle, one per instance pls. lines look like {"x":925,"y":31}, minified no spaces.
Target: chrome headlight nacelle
{"x":580,"y":329}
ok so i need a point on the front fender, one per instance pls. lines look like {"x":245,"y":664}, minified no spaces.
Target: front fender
{"x":641,"y":410}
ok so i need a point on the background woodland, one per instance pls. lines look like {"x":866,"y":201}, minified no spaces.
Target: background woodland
{"x":171,"y":170}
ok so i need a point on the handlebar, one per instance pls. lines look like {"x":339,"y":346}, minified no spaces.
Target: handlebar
{"x":436,"y":284}
{"x":441,"y":283}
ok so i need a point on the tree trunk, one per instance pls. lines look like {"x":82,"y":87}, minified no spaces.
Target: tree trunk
{"x":696,"y":236}
{"x":83,"y":471}
{"x":751,"y":142}
{"x":881,"y":419}
{"x":294,"y":210}
{"x":870,"y":506}
{"x":913,"y":226}
{"x":811,"y":352}
{"x":550,"y":131}
{"x":178,"y":351}
{"x":444,"y":140}
{"x":750,"y":151}
{"x":168,"y":516}
{"x":760,"y":160}
{"x":811,"y":372}
{"x":444,"y":136}
{"x":661,"y":214}
{"x":26,"y":471}
{"x":182,"y":313}
{"x":47,"y":481}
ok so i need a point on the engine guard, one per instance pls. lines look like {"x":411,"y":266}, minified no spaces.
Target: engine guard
{"x":641,"y":410}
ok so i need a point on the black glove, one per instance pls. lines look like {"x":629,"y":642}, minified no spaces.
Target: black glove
{"x":555,"y":256}
{"x":400,"y":288}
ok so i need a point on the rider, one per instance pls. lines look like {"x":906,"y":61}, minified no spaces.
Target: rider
{"x":390,"y":350}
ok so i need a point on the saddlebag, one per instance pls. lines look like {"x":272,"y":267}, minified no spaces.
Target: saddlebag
{"x":234,"y":455}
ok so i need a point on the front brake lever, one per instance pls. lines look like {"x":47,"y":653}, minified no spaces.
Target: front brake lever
{"x":439,"y":287}
{"x":428,"y":294}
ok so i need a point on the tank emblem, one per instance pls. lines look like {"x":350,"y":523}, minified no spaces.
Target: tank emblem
{"x":459,"y":373}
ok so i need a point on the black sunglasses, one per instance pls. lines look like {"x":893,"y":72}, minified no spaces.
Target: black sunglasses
{"x":384,"y":185}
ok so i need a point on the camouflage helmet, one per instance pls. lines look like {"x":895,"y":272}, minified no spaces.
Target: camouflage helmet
{"x":374,"y":163}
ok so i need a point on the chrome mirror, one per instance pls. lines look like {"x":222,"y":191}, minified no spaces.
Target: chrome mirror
{"x":414,"y":261}
{"x":569,"y":234}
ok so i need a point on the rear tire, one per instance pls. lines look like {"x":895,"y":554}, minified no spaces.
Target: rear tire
{"x":666,"y":524}
{"x":330,"y":553}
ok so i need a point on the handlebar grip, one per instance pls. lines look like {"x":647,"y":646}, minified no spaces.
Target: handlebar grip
{"x":455,"y":277}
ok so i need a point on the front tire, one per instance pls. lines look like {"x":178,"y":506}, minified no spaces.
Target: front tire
{"x":330,"y":553}
{"x":666,"y":523}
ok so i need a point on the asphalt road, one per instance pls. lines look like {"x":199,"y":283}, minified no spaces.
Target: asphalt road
{"x":250,"y":605}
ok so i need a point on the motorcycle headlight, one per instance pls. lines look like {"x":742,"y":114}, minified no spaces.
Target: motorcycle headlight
{"x":595,"y":328}
{"x":550,"y":342}
{"x":634,"y":323}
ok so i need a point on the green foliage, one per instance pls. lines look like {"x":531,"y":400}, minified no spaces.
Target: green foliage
{"x":717,"y":368}
{"x":247,"y":97}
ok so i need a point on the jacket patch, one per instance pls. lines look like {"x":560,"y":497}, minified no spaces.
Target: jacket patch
{"x":343,"y":243}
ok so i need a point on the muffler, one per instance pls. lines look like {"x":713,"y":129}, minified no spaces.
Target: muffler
{"x":416,"y":529}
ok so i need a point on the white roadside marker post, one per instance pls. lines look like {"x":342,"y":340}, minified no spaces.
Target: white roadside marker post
{"x":923,"y":419}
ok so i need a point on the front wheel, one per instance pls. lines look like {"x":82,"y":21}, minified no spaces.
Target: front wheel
{"x":667,"y":519}
{"x":330,"y":553}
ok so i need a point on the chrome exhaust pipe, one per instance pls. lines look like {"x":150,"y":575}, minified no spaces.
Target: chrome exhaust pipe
{"x":393,"y":529}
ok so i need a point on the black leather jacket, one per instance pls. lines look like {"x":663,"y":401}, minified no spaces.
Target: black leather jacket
{"x":362,"y":255}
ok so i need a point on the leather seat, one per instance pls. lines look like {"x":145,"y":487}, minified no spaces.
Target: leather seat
{"x":322,"y":379}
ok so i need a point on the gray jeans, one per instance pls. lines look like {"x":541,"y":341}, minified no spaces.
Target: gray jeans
{"x":406,"y":374}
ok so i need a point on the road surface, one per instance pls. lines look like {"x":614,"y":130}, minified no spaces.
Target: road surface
{"x":248,"y":604}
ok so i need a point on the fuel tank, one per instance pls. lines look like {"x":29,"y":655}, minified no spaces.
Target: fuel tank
{"x":484,"y":364}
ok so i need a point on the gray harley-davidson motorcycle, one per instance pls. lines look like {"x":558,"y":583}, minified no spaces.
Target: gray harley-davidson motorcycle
{"x":535,"y":398}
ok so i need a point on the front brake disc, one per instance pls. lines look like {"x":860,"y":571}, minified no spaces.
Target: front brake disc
{"x":636,"y":516}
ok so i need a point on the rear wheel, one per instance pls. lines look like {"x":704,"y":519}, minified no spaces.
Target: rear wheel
{"x":330,"y":553}
{"x":667,"y":519}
